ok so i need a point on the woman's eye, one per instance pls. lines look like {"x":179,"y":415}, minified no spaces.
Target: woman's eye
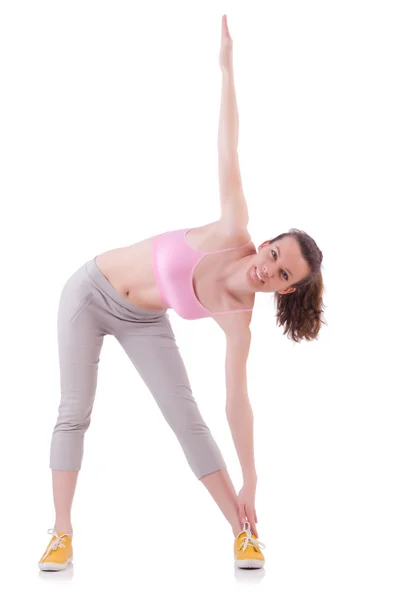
{"x":275,"y":256}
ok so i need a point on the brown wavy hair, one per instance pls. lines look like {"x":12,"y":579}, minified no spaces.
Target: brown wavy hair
{"x":300,"y":311}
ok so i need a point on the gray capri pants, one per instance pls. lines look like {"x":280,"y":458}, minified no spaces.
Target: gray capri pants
{"x":89,"y":309}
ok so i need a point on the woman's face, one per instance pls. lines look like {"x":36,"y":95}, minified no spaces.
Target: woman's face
{"x":279,"y":265}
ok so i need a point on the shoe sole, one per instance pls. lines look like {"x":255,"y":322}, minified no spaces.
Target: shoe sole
{"x":48,"y":566}
{"x":248,"y":563}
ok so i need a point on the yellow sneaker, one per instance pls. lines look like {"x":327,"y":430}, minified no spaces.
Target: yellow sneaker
{"x":247,"y":553}
{"x":59,"y":552}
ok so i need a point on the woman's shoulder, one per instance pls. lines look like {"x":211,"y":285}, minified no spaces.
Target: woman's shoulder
{"x":217,"y":235}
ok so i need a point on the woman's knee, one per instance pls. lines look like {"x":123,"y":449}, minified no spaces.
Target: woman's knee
{"x":76,"y":421}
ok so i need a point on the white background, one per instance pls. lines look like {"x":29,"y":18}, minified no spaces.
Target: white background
{"x":109,"y":117}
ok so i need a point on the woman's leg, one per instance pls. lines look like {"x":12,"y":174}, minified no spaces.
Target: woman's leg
{"x":80,"y":340}
{"x":221,"y":488}
{"x":153,"y":351}
{"x":63,"y":486}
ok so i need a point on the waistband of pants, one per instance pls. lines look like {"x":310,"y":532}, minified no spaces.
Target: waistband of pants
{"x":104,"y":284}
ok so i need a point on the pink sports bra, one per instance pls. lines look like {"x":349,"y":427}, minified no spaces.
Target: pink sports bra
{"x":174,"y":262}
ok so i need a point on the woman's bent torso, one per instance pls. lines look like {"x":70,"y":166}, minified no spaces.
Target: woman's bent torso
{"x":129,"y":269}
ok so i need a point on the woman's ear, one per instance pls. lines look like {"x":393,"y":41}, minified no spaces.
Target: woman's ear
{"x":287,"y":291}
{"x":263,"y":244}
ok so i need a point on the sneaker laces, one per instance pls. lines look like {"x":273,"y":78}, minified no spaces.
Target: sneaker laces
{"x":249,"y":540}
{"x":55,"y":543}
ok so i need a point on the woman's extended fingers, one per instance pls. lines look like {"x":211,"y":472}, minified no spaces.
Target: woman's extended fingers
{"x":251,"y":519}
{"x":225,"y":28}
{"x":241,"y":513}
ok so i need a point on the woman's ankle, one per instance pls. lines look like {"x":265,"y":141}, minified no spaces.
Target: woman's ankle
{"x":236,"y":531}
{"x":64,"y":528}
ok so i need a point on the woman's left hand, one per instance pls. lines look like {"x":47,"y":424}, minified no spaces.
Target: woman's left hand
{"x":226,"y":51}
{"x":246,"y":506}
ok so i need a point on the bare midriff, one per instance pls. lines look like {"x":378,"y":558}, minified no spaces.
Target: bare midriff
{"x":129,"y":269}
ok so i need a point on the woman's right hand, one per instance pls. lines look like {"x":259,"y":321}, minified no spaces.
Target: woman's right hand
{"x":226,"y":52}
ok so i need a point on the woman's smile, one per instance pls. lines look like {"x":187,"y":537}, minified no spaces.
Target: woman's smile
{"x":254,"y":276}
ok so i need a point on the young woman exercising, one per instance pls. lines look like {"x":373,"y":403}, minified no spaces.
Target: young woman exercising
{"x":208,"y":271}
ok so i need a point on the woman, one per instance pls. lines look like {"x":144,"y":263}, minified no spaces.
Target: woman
{"x":209,"y":271}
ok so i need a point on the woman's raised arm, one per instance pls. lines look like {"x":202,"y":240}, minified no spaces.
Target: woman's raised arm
{"x":234,"y":210}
